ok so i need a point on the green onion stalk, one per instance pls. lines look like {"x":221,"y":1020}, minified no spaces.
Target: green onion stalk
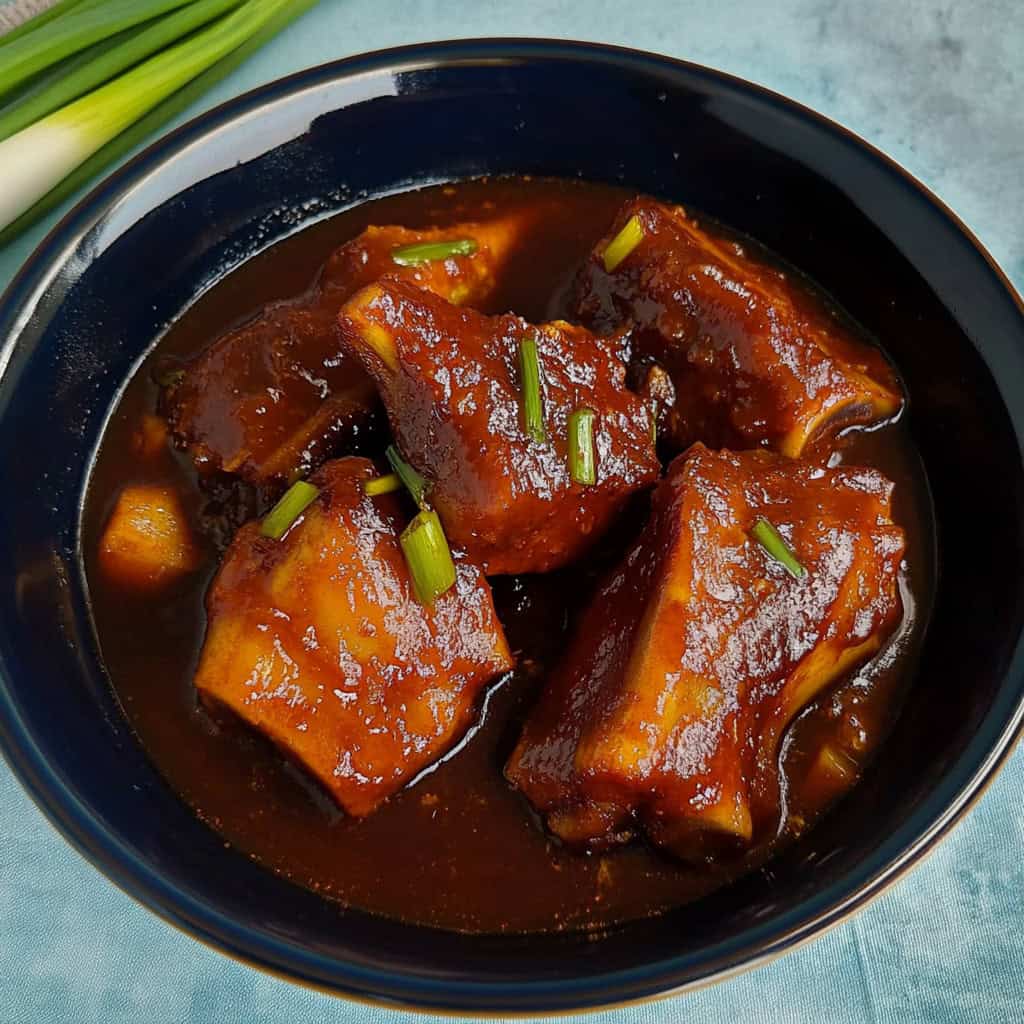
{"x":153,"y":120}
{"x":428,"y":252}
{"x":414,"y":482}
{"x":428,"y":556}
{"x":67,"y":81}
{"x":530,"y":382}
{"x":86,"y":23}
{"x":631,"y":235}
{"x":42,"y":93}
{"x":280,"y":519}
{"x":387,"y":484}
{"x":43,"y":17}
{"x":582,"y":460}
{"x":38,"y":158}
{"x":775,"y":545}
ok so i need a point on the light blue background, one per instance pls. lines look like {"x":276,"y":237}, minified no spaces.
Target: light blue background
{"x":940,"y":87}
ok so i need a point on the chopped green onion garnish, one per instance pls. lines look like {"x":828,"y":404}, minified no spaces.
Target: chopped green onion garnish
{"x":383,"y":484}
{"x":428,"y":556}
{"x":653,"y":411}
{"x":413,"y":481}
{"x":293,"y":503}
{"x":581,"y":446}
{"x":533,"y":408}
{"x":427,"y":252}
{"x":772,"y":541}
{"x":623,"y":243}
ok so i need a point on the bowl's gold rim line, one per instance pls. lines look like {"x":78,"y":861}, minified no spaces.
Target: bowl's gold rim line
{"x":431,"y":55}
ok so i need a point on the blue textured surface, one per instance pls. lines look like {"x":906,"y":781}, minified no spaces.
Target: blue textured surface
{"x":939,"y":88}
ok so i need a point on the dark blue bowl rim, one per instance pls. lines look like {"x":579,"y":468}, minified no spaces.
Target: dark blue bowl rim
{"x":956,"y":793}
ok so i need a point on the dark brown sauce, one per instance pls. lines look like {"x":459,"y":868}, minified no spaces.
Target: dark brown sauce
{"x":459,"y":848}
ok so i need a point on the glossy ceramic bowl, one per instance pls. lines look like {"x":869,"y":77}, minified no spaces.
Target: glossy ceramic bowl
{"x":145,"y":243}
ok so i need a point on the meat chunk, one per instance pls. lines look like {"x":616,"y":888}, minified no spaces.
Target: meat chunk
{"x":318,"y":641}
{"x":271,"y":399}
{"x":668,"y":709}
{"x":147,"y":541}
{"x":451,"y":383}
{"x":755,"y":359}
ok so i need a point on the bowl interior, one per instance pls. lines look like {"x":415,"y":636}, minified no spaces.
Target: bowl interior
{"x":146,"y":243}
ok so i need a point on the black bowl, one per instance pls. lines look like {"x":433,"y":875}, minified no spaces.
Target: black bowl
{"x":142,"y":246}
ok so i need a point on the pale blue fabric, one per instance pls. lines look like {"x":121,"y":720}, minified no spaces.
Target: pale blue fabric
{"x":939,"y":86}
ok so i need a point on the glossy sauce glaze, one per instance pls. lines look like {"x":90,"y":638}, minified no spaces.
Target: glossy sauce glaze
{"x":667,"y":712}
{"x":285,"y":613}
{"x":508,"y":502}
{"x":459,"y":848}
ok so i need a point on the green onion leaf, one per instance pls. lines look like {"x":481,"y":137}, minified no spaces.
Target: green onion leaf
{"x":773,"y":542}
{"x":427,"y":252}
{"x":92,"y":131}
{"x":38,"y":20}
{"x":415,"y":483}
{"x":166,"y":110}
{"x":29,"y":101}
{"x":428,"y":556}
{"x":383,"y":484}
{"x":76,"y":76}
{"x":293,"y":503}
{"x":582,"y":464}
{"x":533,"y":407}
{"x":80,"y":27}
{"x":623,"y":243}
